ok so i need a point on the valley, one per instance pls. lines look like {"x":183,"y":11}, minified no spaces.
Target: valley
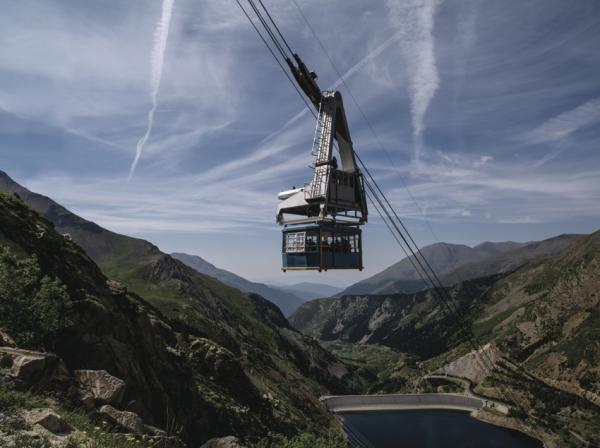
{"x":538,"y":323}
{"x":247,"y":371}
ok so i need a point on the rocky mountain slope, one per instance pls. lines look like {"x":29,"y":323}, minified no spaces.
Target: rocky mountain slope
{"x":414,"y":323}
{"x":195,"y":351}
{"x":454,"y":263}
{"x":510,"y":260}
{"x":105,"y":326}
{"x":542,"y":318}
{"x":285,"y":300}
{"x":443,"y":258}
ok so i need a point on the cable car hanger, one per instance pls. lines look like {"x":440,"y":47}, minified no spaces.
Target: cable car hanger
{"x":321,"y":219}
{"x":323,"y":232}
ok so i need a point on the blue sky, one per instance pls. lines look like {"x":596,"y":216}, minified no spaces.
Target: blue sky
{"x":489,"y":110}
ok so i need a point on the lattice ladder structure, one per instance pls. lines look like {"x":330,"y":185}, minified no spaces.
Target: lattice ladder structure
{"x":322,"y":147}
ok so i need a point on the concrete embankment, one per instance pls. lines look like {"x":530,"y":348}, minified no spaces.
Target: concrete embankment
{"x":354,"y":403}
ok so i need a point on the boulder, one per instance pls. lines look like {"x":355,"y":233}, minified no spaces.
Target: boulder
{"x":49,"y":420}
{"x":127,"y":421}
{"x":224,"y":442}
{"x":102,"y":386}
{"x":6,"y":340}
{"x":31,"y":368}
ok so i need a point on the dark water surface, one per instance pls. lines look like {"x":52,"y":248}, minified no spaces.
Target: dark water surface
{"x":433,"y":429}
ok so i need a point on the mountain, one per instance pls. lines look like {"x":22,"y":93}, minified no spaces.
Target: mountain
{"x":454,"y":263}
{"x":284,"y":299}
{"x":405,"y":322}
{"x":540,"y":319}
{"x":247,"y":350}
{"x":308,"y":291}
{"x":443,"y":258}
{"x":105,"y":327}
{"x":511,"y":259}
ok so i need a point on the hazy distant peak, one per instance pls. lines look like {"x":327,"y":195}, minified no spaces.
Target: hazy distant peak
{"x":285,"y":300}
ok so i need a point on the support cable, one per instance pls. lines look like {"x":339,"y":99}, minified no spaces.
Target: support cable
{"x":267,"y":28}
{"x":276,"y":27}
{"x":367,"y":121}
{"x":283,"y":69}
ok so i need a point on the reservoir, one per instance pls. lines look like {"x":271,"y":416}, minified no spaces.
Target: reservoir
{"x":431,"y":428}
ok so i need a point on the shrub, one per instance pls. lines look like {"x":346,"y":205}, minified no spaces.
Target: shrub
{"x":32,"y":305}
{"x":11,"y":399}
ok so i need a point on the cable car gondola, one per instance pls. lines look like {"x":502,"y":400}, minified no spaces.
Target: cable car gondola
{"x":322,"y":219}
{"x":322,"y":246}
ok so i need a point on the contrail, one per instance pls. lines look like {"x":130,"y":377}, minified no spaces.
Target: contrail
{"x":365,"y":60}
{"x":415,"y":20}
{"x":466,"y":35}
{"x":262,"y":154}
{"x":161,"y":33}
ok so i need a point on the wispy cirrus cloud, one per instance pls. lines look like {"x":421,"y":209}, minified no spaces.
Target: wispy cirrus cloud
{"x":461,"y":188}
{"x":565,"y":124}
{"x":483,"y":160}
{"x":466,"y":36}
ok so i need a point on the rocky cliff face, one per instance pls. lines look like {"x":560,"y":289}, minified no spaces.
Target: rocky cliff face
{"x":201,"y":356}
{"x":108,"y":328}
{"x":415,"y":323}
{"x":286,"y":301}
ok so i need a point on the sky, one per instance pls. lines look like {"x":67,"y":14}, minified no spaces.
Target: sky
{"x":486,"y":118}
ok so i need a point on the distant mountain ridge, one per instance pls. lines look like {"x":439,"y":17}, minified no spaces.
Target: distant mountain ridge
{"x":454,"y":263}
{"x":285,"y":300}
{"x":510,"y":260}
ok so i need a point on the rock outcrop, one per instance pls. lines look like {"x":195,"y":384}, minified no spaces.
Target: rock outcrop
{"x":474,"y":366}
{"x":29,"y":368}
{"x":103,"y":387}
{"x":48,"y":419}
{"x":6,"y":340}
{"x":128,"y":422}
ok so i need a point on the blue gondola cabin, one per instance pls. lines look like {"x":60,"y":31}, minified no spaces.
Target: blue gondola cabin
{"x":321,"y":246}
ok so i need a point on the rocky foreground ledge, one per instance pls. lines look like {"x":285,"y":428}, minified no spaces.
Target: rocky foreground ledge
{"x":101,"y":415}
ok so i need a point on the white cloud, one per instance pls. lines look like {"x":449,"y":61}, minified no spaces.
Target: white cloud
{"x":466,"y":36}
{"x":565,"y":124}
{"x":483,"y":160}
